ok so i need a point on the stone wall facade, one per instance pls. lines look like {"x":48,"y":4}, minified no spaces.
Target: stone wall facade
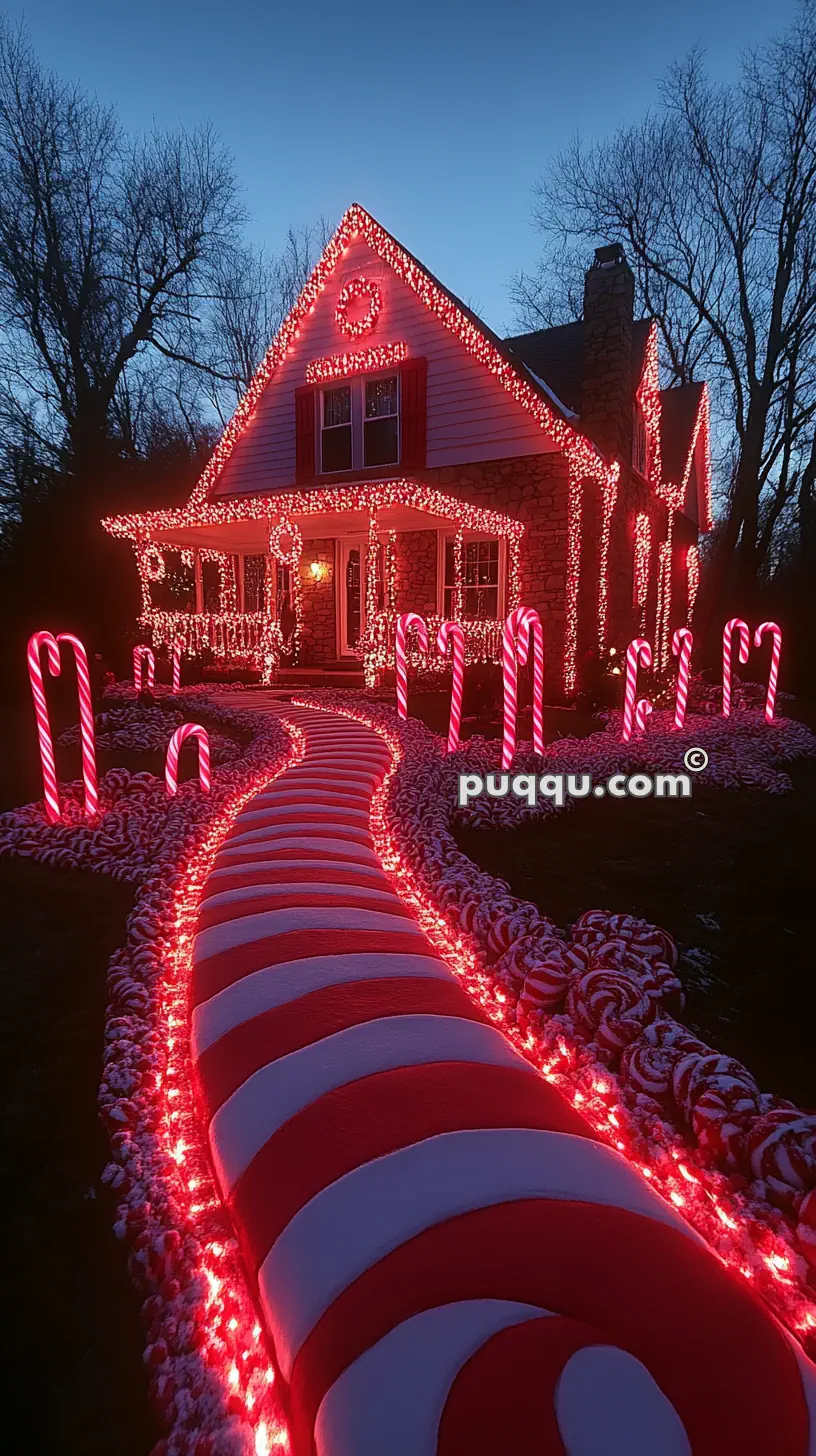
{"x":318,"y":642}
{"x":415,"y":572}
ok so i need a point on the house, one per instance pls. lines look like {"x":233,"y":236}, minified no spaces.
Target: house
{"x":393,"y":454}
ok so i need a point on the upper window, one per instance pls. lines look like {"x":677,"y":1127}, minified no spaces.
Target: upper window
{"x":381,"y":422}
{"x":335,"y":433}
{"x":480,"y":578}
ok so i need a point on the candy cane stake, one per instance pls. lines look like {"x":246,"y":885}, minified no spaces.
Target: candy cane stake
{"x":188,"y":730}
{"x":773,"y":676}
{"x":638,"y":654}
{"x":404,"y":623}
{"x":49,"y":769}
{"x":682,"y":643}
{"x":86,"y":724}
{"x":642,"y":710}
{"x":143,"y":654}
{"x":178,"y":648}
{"x":86,"y":720}
{"x":742,"y":629}
{"x":451,"y":633}
{"x":522,"y":626}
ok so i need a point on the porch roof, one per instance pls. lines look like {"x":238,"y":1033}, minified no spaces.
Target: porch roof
{"x":242,"y":525}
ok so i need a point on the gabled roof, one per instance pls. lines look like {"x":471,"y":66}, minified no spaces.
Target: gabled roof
{"x":680,"y":407}
{"x":556,"y":355}
{"x":508,"y":368}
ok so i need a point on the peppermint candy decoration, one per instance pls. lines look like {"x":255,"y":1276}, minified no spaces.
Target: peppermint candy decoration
{"x":806,"y":1228}
{"x":524,"y":919}
{"x":697,"y":1070}
{"x":647,"y":1065}
{"x":611,"y":1008}
{"x":528,"y":954}
{"x":781,"y":1150}
{"x":721,"y":1116}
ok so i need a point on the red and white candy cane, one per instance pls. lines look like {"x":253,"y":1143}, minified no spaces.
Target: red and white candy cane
{"x":451,"y":634}
{"x":744,"y":633}
{"x":86,"y":719}
{"x":522,"y":626}
{"x":404,"y":623}
{"x":178,"y":649}
{"x":188,"y":730}
{"x":682,"y":643}
{"x":773,"y":676}
{"x":638,"y":654}
{"x":143,"y":654}
{"x":643,"y":709}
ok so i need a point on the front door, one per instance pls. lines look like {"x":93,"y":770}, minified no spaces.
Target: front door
{"x":351,"y":593}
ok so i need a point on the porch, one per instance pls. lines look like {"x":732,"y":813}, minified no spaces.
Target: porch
{"x":317,"y":580}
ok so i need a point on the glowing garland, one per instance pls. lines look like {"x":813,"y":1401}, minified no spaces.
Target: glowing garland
{"x":692,"y":581}
{"x":643,"y":552}
{"x":648,"y":399}
{"x":760,"y":1255}
{"x":609,"y":496}
{"x":289,"y":555}
{"x":574,"y":512}
{"x":351,"y":292}
{"x":365,"y":361}
{"x":664,"y":598}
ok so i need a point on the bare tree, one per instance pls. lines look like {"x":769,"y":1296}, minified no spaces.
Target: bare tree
{"x":714,"y":198}
{"x":109,"y":249}
{"x":253,"y":293}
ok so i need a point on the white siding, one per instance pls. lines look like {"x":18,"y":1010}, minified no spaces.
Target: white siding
{"x":470,"y":416}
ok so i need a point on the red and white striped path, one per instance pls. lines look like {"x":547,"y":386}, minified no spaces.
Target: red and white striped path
{"x":446,"y":1259}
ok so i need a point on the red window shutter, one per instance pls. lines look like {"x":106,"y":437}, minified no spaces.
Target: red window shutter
{"x":304,"y":435}
{"x":413,"y":410}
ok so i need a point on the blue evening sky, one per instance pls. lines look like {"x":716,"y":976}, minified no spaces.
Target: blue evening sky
{"x":437,"y":117}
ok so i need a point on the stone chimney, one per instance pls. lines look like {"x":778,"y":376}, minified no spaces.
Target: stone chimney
{"x":607,"y":393}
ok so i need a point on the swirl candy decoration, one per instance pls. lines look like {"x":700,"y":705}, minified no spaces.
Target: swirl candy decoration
{"x":86,"y":719}
{"x":448,"y":1261}
{"x":188,"y":730}
{"x":744,"y":637}
{"x":611,"y":1007}
{"x":404,"y":623}
{"x":522,"y":627}
{"x":638,"y":654}
{"x":773,"y":675}
{"x":143,"y":654}
{"x":451,"y":633}
{"x":682,"y":643}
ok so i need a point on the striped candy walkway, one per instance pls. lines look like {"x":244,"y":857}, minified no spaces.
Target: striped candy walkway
{"x":446,"y":1259}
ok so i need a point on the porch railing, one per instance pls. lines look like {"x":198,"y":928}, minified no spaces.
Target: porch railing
{"x":483,"y":643}
{"x":251,"y":635}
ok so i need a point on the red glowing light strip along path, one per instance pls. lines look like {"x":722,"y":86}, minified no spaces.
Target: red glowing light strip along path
{"x":334,"y":1371}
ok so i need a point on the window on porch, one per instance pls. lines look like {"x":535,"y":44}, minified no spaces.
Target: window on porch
{"x":254,"y":583}
{"x":481,"y":578}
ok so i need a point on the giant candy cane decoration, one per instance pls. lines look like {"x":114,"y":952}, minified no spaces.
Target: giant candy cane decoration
{"x":188,"y":730}
{"x":143,"y":654}
{"x":452,"y":633}
{"x":741,"y":628}
{"x":178,"y":648}
{"x":522,"y":626}
{"x":682,"y":643}
{"x":404,"y":623}
{"x":638,"y":654}
{"x":773,"y":676}
{"x":86,"y":719}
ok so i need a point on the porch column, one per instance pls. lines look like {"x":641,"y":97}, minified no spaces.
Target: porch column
{"x":199,"y":583}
